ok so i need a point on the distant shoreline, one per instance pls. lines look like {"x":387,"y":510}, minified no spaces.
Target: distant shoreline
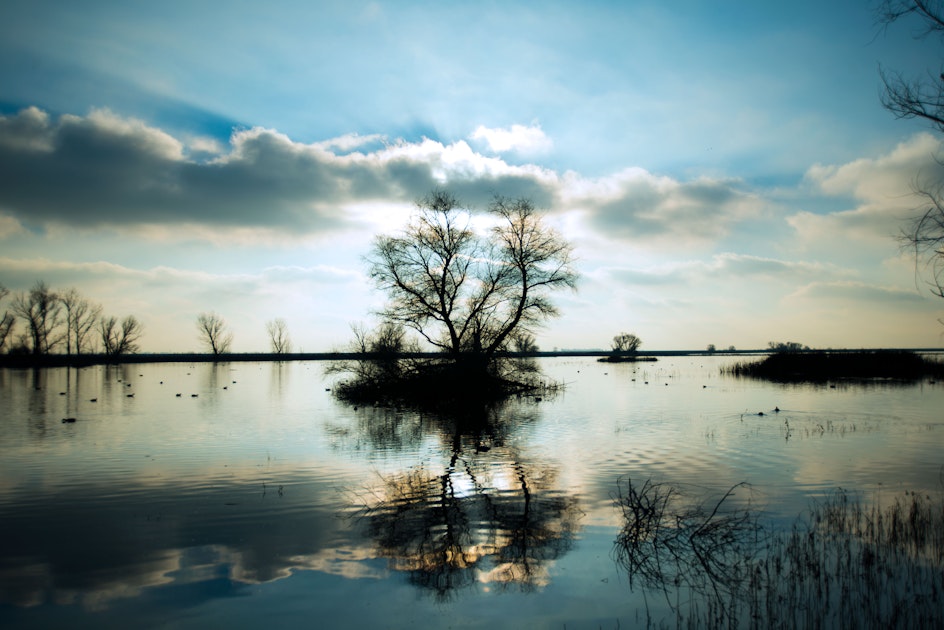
{"x":86,"y":360}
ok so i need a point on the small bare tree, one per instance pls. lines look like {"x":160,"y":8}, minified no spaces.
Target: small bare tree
{"x":7,"y":321}
{"x":626,"y":343}
{"x":120,"y":338}
{"x":279,"y":339}
{"x":81,"y":317}
{"x":214,"y":333}
{"x":41,"y":309}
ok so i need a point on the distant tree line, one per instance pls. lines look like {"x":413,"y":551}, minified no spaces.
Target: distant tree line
{"x":44,"y":321}
{"x":63,"y":322}
{"x":786,"y":346}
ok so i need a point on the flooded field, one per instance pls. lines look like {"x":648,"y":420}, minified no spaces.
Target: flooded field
{"x":240,"y":495}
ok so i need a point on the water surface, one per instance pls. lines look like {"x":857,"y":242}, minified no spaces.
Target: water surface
{"x":236,"y":495}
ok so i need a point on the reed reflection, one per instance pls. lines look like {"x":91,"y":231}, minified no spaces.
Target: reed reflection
{"x":486,"y":514}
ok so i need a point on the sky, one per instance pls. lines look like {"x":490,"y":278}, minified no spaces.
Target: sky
{"x":724,"y":170}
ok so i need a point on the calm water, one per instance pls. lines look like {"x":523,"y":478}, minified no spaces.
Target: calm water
{"x":253,"y":498}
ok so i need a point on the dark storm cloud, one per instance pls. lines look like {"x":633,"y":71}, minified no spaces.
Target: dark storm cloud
{"x":105,"y":170}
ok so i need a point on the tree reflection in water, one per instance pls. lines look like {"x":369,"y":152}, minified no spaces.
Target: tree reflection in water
{"x":488,"y":515}
{"x":679,"y":540}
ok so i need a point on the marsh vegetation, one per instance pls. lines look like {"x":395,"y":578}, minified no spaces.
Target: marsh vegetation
{"x":846,"y":562}
{"x":829,"y":365}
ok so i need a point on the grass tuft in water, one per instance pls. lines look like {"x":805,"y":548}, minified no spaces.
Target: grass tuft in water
{"x":842,"y":564}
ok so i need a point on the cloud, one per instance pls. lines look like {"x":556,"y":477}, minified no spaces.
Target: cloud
{"x":731,"y":266}
{"x":886,"y":178}
{"x":517,"y":138}
{"x":882,"y":190}
{"x":27,"y":131}
{"x":859,"y":292}
{"x":113,"y":279}
{"x":9,"y":226}
{"x":740,"y":265}
{"x":635,"y":204}
{"x":104,"y":170}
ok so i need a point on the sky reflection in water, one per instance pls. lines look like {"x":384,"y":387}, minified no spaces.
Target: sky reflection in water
{"x":254,"y":497}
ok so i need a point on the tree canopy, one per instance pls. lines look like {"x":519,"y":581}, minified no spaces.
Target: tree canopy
{"x":626,"y":342}
{"x":471,"y":286}
{"x":468,"y":293}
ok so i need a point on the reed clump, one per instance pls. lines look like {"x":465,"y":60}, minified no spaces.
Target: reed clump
{"x":843,"y":564}
{"x":825,"y":366}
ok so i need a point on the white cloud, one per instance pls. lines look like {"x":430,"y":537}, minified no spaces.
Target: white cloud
{"x":102,"y":170}
{"x":203,"y":145}
{"x":727,"y":266}
{"x":530,"y":140}
{"x":9,"y":226}
{"x":637,"y":205}
{"x":852,"y":291}
{"x":351,"y":141}
{"x":884,"y":179}
{"x":882,"y":190}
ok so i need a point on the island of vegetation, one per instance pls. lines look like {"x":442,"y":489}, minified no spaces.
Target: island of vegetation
{"x":625,"y":348}
{"x":476,"y":298}
{"x":793,"y":362}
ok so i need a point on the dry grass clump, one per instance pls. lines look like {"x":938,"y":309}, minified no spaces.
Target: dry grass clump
{"x":843,"y":564}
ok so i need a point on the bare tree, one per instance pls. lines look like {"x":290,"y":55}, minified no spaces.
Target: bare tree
{"x":465,"y":293}
{"x":81,"y":317}
{"x":7,"y":321}
{"x":383,"y":357}
{"x":41,"y":309}
{"x":922,"y":98}
{"x":213,"y":333}
{"x":626,"y":342}
{"x":279,"y":338}
{"x":914,"y":97}
{"x":120,"y":338}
